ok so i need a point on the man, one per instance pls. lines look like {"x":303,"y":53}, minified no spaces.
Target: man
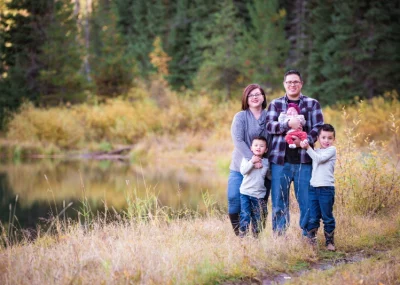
{"x":291,"y":164}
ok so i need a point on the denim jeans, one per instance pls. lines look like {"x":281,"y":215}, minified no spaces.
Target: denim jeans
{"x":234,"y":181}
{"x":253,"y":210}
{"x":282,"y":176}
{"x":320,"y":202}
{"x":233,"y":191}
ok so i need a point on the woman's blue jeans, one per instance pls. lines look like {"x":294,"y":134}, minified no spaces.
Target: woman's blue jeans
{"x":320,"y":202}
{"x":282,"y":176}
{"x":234,"y":181}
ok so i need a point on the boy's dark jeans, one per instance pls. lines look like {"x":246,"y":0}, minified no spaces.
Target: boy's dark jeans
{"x":320,"y":202}
{"x":252,"y":210}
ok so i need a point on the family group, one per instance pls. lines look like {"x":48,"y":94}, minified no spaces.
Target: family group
{"x":274,"y":147}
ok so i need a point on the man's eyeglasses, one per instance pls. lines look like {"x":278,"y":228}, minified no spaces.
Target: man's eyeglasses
{"x":293,"y":82}
{"x":254,"y":95}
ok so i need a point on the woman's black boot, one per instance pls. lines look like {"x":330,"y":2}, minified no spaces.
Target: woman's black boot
{"x":235,"y":222}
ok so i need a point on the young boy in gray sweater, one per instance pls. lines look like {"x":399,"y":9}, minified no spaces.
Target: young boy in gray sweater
{"x":252,"y":190}
{"x":321,"y":196}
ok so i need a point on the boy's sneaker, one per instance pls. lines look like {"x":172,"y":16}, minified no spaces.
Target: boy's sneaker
{"x":242,"y":234}
{"x":330,"y":241}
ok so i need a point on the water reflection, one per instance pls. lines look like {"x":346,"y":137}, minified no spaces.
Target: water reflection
{"x":44,"y":185}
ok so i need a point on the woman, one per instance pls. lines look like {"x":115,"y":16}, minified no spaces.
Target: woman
{"x":247,"y":124}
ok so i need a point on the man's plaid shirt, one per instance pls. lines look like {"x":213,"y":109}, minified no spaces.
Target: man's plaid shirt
{"x":312,"y":112}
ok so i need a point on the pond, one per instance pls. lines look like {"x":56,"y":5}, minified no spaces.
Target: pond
{"x":43,"y":186}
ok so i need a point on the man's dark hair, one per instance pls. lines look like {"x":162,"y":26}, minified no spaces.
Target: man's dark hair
{"x":327,"y":128}
{"x":292,"y":71}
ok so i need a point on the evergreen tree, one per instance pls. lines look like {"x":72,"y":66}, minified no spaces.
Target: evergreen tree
{"x":22,"y":41}
{"x":113,"y":66}
{"x":40,"y":56}
{"x":6,"y":101}
{"x":60,"y":77}
{"x":319,"y":34}
{"x":221,"y":68}
{"x":3,"y":8}
{"x":353,"y":52}
{"x":339,"y":54}
{"x":264,"y":47}
{"x":140,"y":22}
{"x":186,"y":39}
{"x":297,"y":31}
{"x":179,"y":45}
{"x":378,"y":66}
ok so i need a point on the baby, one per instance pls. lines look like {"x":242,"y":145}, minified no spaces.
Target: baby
{"x":293,"y":112}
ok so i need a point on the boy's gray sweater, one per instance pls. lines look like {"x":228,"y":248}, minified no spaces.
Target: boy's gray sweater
{"x":253,"y":178}
{"x":323,"y":162}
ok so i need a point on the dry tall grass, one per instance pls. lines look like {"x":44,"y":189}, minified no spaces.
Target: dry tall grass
{"x":367,"y":178}
{"x":370,"y":121}
{"x":182,"y":251}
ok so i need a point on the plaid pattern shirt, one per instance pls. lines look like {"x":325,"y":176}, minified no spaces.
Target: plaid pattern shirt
{"x":312,"y":112}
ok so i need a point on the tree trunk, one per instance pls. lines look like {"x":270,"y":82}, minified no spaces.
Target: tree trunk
{"x":86,"y":63}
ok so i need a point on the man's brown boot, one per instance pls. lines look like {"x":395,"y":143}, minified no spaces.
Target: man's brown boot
{"x":312,"y":237}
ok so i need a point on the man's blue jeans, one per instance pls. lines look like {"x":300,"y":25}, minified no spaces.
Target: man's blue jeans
{"x":253,"y":210}
{"x":282,"y":176}
{"x":320,"y":202}
{"x":234,"y":181}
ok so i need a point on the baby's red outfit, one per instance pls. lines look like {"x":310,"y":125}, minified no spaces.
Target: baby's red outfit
{"x":300,"y":134}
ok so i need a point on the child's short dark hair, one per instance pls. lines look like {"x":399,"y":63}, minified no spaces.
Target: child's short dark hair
{"x":260,"y":138}
{"x":327,"y":128}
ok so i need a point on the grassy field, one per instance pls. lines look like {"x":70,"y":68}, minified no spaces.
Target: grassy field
{"x":152,"y":248}
{"x":149,"y":244}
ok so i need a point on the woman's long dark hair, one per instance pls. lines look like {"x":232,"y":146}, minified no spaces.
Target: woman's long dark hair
{"x":246,"y":93}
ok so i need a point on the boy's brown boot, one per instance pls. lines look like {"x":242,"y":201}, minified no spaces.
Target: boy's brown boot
{"x":312,"y":237}
{"x":330,"y":241}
